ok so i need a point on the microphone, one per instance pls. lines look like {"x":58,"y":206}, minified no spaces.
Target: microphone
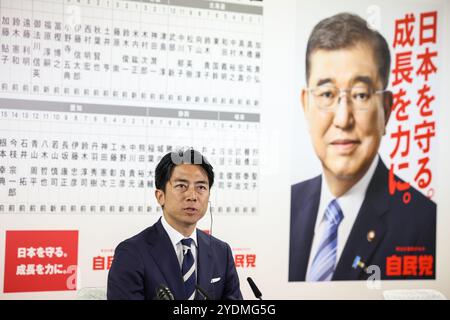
{"x":255,"y":289}
{"x":202,"y":292}
{"x":163,"y":293}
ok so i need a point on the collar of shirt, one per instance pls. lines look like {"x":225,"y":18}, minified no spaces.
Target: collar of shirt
{"x":176,"y":237}
{"x":351,"y":201}
{"x":350,"y":204}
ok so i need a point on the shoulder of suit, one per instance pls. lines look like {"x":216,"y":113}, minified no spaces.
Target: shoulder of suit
{"x":214,"y":241}
{"x":306,"y":184}
{"x":418,"y":201}
{"x":140,"y":237}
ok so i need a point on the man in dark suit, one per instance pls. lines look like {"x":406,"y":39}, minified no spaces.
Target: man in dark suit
{"x":173,"y":253}
{"x":345,"y":223}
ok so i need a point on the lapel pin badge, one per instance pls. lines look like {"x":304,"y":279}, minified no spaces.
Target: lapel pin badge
{"x":358,"y":263}
{"x":371,"y":235}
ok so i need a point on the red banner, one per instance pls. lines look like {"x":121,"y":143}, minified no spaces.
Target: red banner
{"x":40,"y":260}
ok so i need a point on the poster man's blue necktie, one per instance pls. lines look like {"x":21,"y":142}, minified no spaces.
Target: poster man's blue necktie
{"x":324,"y":263}
{"x":188,"y":269}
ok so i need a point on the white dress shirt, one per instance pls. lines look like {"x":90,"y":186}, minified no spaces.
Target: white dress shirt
{"x":350,"y":203}
{"x":176,"y":237}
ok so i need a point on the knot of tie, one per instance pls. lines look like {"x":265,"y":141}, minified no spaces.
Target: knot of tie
{"x":333,"y":213}
{"x":186,"y":244}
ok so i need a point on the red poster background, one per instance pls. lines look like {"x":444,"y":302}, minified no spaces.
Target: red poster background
{"x":45,"y":269}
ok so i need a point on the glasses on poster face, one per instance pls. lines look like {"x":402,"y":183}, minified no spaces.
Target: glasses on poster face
{"x":327,"y":97}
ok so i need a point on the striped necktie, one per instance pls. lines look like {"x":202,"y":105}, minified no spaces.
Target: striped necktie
{"x":324,"y":263}
{"x":188,"y":269}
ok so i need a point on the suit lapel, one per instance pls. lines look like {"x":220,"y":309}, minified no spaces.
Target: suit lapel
{"x":166,"y":259}
{"x":303,"y":215}
{"x":368,"y":230}
{"x":204,"y":266}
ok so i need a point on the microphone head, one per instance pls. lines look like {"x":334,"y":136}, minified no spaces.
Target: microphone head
{"x":163,"y":293}
{"x":255,"y":289}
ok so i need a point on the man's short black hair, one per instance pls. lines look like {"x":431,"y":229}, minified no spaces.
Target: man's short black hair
{"x":165,"y":167}
{"x":346,"y":30}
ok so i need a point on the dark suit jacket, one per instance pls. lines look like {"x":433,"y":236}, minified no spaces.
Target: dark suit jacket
{"x":147,"y":260}
{"x":395,"y":224}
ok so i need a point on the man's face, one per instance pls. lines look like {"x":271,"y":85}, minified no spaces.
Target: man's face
{"x":346,"y":139}
{"x":185,"y":198}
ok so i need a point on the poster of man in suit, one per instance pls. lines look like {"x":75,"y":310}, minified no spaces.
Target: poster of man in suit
{"x":356,"y":213}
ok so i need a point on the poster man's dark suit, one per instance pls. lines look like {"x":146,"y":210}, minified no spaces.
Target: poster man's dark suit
{"x":147,"y":260}
{"x":396,"y":227}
